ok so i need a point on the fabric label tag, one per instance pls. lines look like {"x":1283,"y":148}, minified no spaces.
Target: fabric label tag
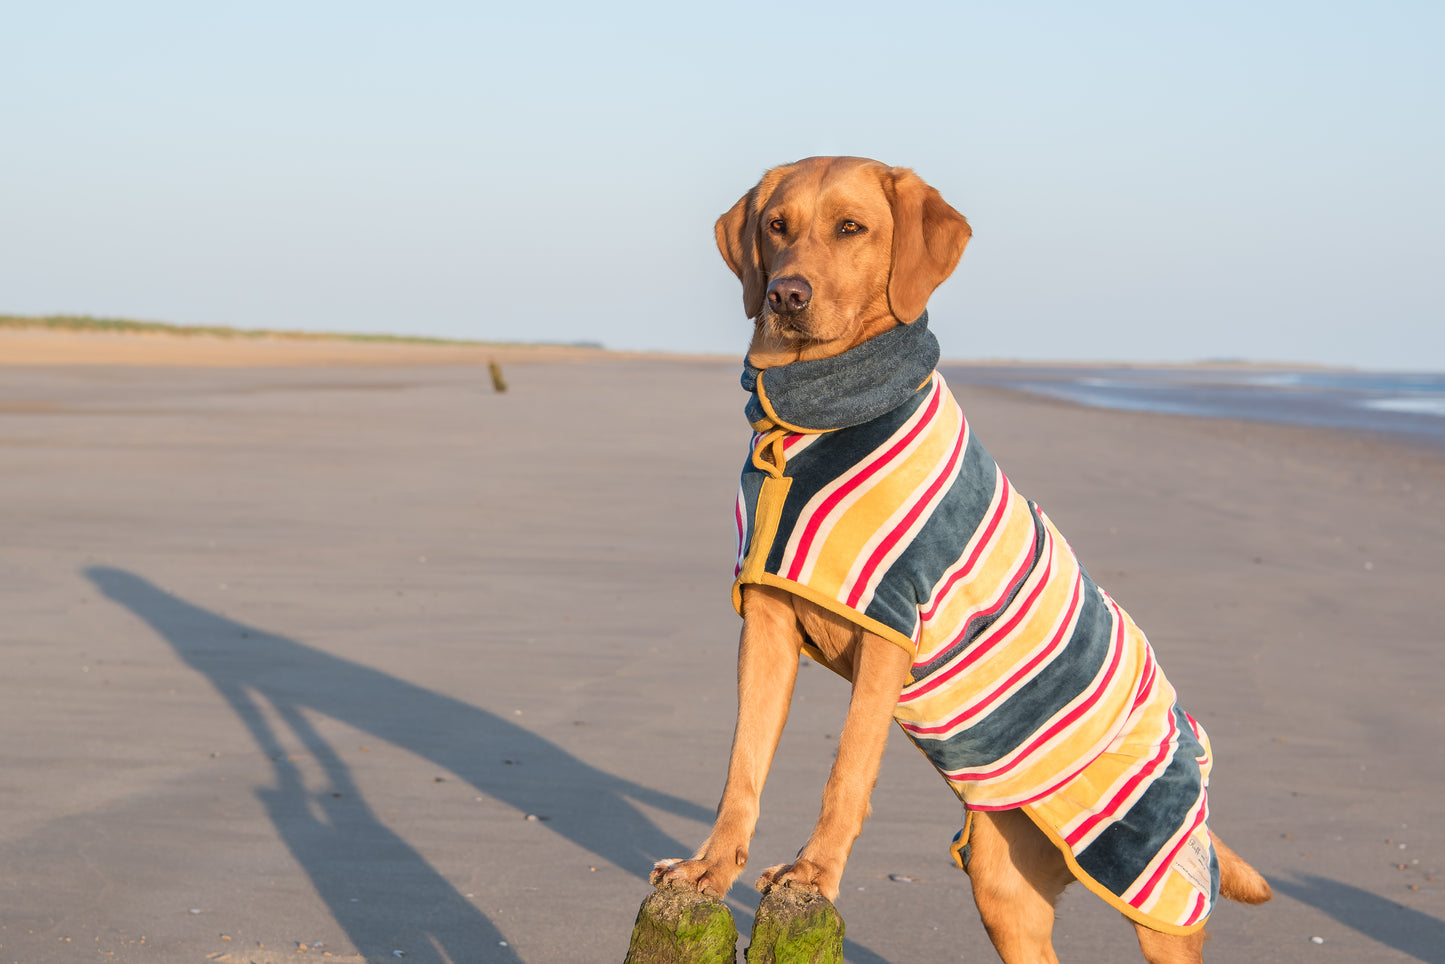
{"x":1192,"y":863}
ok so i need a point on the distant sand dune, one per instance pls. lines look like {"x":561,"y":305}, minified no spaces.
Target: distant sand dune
{"x":44,"y":346}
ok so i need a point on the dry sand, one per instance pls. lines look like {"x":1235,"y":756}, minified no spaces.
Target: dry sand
{"x":292,"y":653}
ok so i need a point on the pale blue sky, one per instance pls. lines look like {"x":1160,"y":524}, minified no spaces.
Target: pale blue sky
{"x":1146,"y":181}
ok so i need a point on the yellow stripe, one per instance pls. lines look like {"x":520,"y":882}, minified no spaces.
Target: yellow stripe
{"x":765,"y":525}
{"x":1084,"y":740}
{"x":1145,"y":733}
{"x":1129,"y":911}
{"x":987,"y":581}
{"x":844,"y":544}
{"x":945,"y":701}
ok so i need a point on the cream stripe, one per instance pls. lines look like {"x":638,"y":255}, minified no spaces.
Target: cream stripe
{"x":934,"y":603}
{"x":1056,"y":637}
{"x":937,"y":476}
{"x":1165,"y":856}
{"x":1136,"y":719}
{"x":828,"y":522}
{"x":1103,"y":683}
{"x":999,"y":644}
{"x":959,"y":612}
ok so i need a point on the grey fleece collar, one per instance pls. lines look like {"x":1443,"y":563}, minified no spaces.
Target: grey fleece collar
{"x":848,"y":389}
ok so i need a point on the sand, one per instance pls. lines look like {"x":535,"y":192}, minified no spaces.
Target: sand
{"x":43,"y":346}
{"x":296,"y":653}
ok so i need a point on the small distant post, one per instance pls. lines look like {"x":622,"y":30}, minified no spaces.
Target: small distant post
{"x":498,"y":382}
{"x":680,"y":926}
{"x":793,"y":927}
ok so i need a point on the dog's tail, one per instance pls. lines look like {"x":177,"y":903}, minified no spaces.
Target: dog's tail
{"x":1237,"y":879}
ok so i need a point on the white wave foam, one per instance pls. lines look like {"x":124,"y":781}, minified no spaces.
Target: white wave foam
{"x":1413,"y":404}
{"x":1273,"y":380}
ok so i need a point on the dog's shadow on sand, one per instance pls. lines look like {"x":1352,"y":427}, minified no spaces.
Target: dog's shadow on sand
{"x":1378,"y":918}
{"x":336,"y":836}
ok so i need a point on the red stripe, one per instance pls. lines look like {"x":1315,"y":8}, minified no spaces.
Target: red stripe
{"x":1072,"y":717}
{"x":985,"y":643}
{"x":993,"y":523}
{"x":815,"y":521}
{"x":1151,"y":670}
{"x":978,"y":705}
{"x":1010,"y":587}
{"x":1193,"y":724}
{"x":1018,"y":576}
{"x":1200,"y":902}
{"x":1153,"y":882}
{"x":738,"y":519}
{"x":881,"y":551}
{"x":1110,"y":809}
{"x":1198,"y":735}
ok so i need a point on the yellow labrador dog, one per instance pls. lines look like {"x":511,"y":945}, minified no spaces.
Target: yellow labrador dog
{"x":877,"y":536}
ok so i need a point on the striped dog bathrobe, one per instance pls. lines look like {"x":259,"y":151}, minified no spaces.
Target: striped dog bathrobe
{"x":867,"y":493}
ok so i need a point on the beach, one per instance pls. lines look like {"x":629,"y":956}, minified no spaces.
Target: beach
{"x":336,"y":651}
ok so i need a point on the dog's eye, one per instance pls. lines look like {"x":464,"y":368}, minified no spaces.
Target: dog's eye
{"x":777,"y":226}
{"x":850,"y":227}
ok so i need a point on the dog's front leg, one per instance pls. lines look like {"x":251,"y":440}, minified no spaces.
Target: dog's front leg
{"x":767,"y":669}
{"x":880,"y":669}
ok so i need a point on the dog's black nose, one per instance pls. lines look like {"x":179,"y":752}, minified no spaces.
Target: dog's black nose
{"x":789,"y":295}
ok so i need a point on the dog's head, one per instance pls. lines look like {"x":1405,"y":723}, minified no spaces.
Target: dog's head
{"x":834,"y":250}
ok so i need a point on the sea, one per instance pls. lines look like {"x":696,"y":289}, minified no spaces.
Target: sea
{"x":1406,"y":405}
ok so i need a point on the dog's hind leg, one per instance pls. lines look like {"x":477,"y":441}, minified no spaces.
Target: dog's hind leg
{"x":1169,"y":948}
{"x":1237,"y":879}
{"x":1017,"y":875}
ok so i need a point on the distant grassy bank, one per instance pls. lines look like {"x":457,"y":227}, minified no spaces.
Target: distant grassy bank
{"x":127,"y":326}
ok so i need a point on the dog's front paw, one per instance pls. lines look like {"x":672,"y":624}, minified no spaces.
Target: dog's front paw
{"x":707,"y":877}
{"x":804,"y":875}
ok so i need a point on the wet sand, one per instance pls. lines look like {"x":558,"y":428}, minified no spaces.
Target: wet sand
{"x":293,"y":652}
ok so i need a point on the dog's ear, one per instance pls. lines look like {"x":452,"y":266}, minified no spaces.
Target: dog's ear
{"x":928,"y":239}
{"x":737,"y":239}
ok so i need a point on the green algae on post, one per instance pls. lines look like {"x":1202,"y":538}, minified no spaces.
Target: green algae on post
{"x":678,"y":926}
{"x":793,"y":927}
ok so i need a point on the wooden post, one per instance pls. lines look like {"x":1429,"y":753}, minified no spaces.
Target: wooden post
{"x":793,"y":927}
{"x":498,"y":382}
{"x":680,"y":926}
